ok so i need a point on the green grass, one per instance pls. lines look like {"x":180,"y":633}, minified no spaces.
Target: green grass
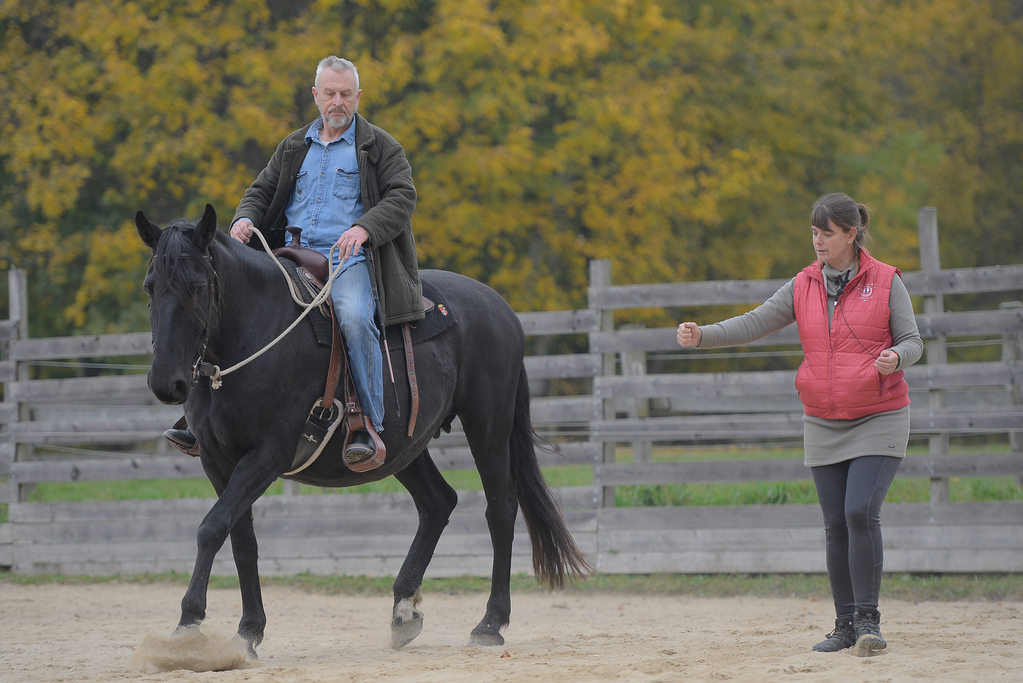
{"x":911,"y":587}
{"x":756,"y":493}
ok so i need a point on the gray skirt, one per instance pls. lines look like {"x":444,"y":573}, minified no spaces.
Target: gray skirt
{"x":826,"y":442}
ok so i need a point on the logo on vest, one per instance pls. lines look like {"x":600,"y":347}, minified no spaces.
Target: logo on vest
{"x":866,"y":291}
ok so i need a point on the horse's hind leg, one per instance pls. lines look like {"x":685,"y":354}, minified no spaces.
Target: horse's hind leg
{"x":435,"y":499}
{"x":490,"y":450}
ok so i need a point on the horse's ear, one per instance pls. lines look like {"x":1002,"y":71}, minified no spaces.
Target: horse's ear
{"x":149,"y":233}
{"x":206,"y":228}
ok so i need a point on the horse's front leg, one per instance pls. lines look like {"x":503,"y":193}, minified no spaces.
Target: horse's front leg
{"x":246,"y":554}
{"x":231,"y":514}
{"x":435,"y":499}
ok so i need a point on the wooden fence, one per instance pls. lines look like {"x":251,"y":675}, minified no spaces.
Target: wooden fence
{"x":75,"y":430}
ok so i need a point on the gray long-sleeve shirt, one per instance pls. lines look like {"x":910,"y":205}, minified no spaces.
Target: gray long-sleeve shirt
{"x":826,"y":442}
{"x":779,"y":312}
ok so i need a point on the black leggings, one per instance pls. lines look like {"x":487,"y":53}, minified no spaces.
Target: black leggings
{"x":851,"y":494}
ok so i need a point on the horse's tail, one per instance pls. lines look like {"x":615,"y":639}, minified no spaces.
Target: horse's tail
{"x":555,"y":553}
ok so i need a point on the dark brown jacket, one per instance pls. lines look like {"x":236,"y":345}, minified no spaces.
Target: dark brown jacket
{"x":388,"y":198}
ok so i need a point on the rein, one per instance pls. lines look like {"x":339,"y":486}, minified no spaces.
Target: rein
{"x":213,"y":371}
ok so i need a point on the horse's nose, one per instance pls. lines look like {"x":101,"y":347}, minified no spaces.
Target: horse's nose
{"x":174,"y":392}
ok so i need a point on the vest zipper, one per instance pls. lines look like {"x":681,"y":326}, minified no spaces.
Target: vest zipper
{"x":831,"y":353}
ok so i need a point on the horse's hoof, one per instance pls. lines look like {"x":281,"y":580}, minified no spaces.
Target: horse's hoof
{"x":486,"y":634}
{"x":406,"y":625}
{"x":486,"y":639}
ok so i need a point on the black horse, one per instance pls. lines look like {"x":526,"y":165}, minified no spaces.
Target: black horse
{"x":212,"y":297}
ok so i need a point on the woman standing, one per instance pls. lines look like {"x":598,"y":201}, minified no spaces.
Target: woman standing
{"x":858,"y":332}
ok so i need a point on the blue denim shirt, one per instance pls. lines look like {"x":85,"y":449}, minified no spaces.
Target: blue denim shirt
{"x":327,"y":199}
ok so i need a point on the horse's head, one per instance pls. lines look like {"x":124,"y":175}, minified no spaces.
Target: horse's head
{"x":182,"y":287}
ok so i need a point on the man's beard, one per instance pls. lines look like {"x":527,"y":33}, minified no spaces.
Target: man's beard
{"x":338,"y":118}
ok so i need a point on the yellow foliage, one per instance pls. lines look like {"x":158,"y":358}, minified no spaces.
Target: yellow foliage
{"x":680,"y":140}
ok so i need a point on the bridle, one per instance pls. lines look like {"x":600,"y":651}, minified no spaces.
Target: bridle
{"x":200,"y":368}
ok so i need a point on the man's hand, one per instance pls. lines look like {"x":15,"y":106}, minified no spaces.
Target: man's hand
{"x":351,"y":240}
{"x":887,"y":362}
{"x":242,"y":230}
{"x":689,"y":334}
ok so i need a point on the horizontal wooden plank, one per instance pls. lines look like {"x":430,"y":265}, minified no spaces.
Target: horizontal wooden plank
{"x":96,"y":346}
{"x":689,"y":562}
{"x":292,"y":529}
{"x":112,"y":388}
{"x":108,"y":469}
{"x":663,"y":339}
{"x":963,"y":419}
{"x":560,"y":322}
{"x":703,"y":427}
{"x":687,"y":294}
{"x":453,"y":566}
{"x":968,"y":538}
{"x":971,"y":323}
{"x":720,"y":292}
{"x":806,"y":561}
{"x":707,"y":472}
{"x":563,"y":366}
{"x":965,"y":280}
{"x":773,"y":383}
{"x":88,"y":431}
{"x":793,"y":469}
{"x":711,"y":540}
{"x":563,"y":409}
{"x":952,"y":324}
{"x":794,"y":516}
{"x":334,"y":505}
{"x":923,"y":420}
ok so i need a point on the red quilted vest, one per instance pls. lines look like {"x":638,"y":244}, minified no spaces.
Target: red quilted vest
{"x":837,"y":379}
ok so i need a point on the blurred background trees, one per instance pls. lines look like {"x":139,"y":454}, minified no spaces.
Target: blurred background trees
{"x":683,"y":140}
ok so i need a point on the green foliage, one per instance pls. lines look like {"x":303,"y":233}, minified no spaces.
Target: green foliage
{"x":684,"y":141}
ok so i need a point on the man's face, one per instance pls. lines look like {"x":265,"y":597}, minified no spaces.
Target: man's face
{"x":337,"y":98}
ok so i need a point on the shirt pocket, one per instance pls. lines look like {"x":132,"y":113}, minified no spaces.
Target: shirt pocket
{"x":346,"y":184}
{"x":301,"y":185}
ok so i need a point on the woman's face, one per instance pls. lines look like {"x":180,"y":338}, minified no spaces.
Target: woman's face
{"x":834,"y":246}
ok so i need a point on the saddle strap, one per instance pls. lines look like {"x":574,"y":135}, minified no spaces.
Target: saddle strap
{"x":334,"y":370}
{"x":410,"y":363}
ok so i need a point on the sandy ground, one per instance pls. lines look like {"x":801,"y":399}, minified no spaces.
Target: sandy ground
{"x":91,"y":633}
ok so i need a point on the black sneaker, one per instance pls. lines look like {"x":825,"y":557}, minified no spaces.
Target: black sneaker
{"x":361,"y":447}
{"x":868,"y":633}
{"x":843,"y":637}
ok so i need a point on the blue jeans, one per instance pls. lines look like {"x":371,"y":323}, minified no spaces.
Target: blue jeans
{"x":355,"y":308}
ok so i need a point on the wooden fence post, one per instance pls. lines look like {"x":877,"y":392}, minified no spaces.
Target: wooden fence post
{"x":634,"y":364}
{"x":17,"y":292}
{"x":1012,"y":349}
{"x":600,"y":276}
{"x":937,"y":350}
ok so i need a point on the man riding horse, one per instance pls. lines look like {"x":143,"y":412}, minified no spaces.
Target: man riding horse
{"x":345,"y":182}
